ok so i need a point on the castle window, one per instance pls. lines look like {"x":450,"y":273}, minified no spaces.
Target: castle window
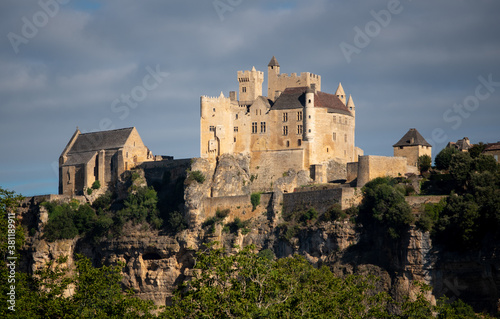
{"x":287,"y":143}
{"x":285,"y":130}
{"x":126,"y":155}
{"x":254,"y":127}
{"x":334,"y":136}
{"x":327,"y":149}
{"x":299,"y":116}
{"x":236,"y":116}
{"x":211,"y":128}
{"x":235,"y":129}
{"x":309,"y":116}
{"x":263,"y":127}
{"x":345,"y":138}
{"x":213,"y":109}
{"x":299,"y":142}
{"x":401,"y":147}
{"x":285,"y":117}
{"x":235,"y":139}
{"x":243,"y":89}
{"x":299,"y":129}
{"x":309,"y":101}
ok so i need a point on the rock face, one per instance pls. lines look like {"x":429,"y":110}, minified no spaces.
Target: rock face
{"x":156,"y":263}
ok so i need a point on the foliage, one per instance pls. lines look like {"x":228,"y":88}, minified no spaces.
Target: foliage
{"x":385,"y":205}
{"x":255,"y":200}
{"x":140,"y":206}
{"x":68,"y":220}
{"x":430,"y":215}
{"x":443,"y":158}
{"x":96,"y":184}
{"x":476,"y":149}
{"x":309,"y":215}
{"x":238,"y":224}
{"x":196,"y":176}
{"x":246,"y":285}
{"x":334,"y":213}
{"x":89,"y":191}
{"x":266,"y":254}
{"x":424,"y":163}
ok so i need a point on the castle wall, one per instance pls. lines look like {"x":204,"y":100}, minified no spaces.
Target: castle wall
{"x":352,"y":171}
{"x":279,"y":82}
{"x":371,"y":167}
{"x":321,"y":200}
{"x":160,"y":171}
{"x":412,"y":153}
{"x":135,"y":151}
{"x":239,"y":206}
{"x":268,"y":166}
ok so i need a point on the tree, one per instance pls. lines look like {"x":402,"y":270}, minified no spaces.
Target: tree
{"x":443,"y":158}
{"x":384,"y":204}
{"x":424,"y":163}
{"x":477,"y":149}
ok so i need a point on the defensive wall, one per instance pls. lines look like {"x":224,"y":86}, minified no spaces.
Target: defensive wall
{"x":164,"y":170}
{"x":371,"y":167}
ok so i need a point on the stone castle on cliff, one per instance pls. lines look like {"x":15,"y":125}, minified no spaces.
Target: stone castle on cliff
{"x":295,"y":127}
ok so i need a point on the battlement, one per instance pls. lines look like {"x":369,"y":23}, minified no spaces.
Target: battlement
{"x":206,"y":98}
{"x":245,"y":76}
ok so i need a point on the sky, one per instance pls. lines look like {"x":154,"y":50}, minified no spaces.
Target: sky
{"x":96,"y":65}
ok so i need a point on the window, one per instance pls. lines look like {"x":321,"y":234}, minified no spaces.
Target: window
{"x":285,"y":130}
{"x":213,"y":109}
{"x":236,"y":116}
{"x":211,"y":128}
{"x":309,"y":100}
{"x":287,"y":143}
{"x":285,"y":117}
{"x":299,"y":142}
{"x":243,"y":89}
{"x":299,"y":129}
{"x":235,"y":139}
{"x":299,"y":116}
{"x":263,"y":127}
{"x":327,"y":149}
{"x":126,"y":155}
{"x":235,"y":129}
{"x":254,"y":127}
{"x":334,"y":136}
{"x":345,"y":138}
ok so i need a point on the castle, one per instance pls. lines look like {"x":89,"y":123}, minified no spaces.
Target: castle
{"x":296,"y":126}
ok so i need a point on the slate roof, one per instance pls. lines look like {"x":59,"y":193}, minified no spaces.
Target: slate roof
{"x":79,"y":158}
{"x":294,"y":98}
{"x":412,"y":138}
{"x":273,"y":62}
{"x":103,"y":140}
{"x":492,"y":147}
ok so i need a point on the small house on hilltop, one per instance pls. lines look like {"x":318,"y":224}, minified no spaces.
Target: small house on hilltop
{"x":101,"y":156}
{"x":412,"y":145}
{"x":493,"y":149}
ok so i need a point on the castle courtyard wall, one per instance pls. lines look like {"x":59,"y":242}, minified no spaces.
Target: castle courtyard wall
{"x":371,"y":167}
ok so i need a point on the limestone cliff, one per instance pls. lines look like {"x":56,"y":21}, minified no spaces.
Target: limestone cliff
{"x":156,"y":262}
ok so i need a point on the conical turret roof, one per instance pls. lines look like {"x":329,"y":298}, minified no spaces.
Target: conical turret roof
{"x":340,"y":90}
{"x":350,"y":102}
{"x":273,"y":62}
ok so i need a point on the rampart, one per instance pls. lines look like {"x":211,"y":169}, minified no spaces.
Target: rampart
{"x":239,"y":206}
{"x":371,"y":167}
{"x":160,"y":171}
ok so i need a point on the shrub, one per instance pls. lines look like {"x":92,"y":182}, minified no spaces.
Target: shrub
{"x":255,"y":200}
{"x":96,"y":184}
{"x":196,"y":176}
{"x":89,"y":191}
{"x":309,"y":215}
{"x":266,"y":254}
{"x":334,"y":213}
{"x":424,"y":163}
{"x":443,"y":158}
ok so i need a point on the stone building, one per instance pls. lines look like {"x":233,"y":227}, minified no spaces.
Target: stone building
{"x":462,"y":145}
{"x":493,"y":149}
{"x":102,"y":156}
{"x":296,"y":126}
{"x":412,"y":145}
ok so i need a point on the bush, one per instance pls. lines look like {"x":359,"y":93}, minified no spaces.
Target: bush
{"x":424,"y":163}
{"x":196,"y":176}
{"x":89,"y":191}
{"x":309,"y":215}
{"x":266,"y":254}
{"x":255,"y":200}
{"x":141,"y":206}
{"x":96,"y":184}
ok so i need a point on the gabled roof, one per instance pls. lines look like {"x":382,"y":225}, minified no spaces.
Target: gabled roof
{"x":294,"y":98}
{"x":103,"y":140}
{"x":492,"y":147}
{"x":412,"y":138}
{"x":273,"y":62}
{"x":79,"y":158}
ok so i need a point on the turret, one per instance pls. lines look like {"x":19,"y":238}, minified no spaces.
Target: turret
{"x":309,"y":115}
{"x":273,"y":71}
{"x":350,"y":106}
{"x":250,"y":85}
{"x":340,"y":93}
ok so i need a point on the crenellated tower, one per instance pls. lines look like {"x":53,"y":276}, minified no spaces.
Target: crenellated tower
{"x":250,"y":85}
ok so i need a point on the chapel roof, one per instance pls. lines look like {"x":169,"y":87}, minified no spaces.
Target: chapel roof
{"x":102,"y":140}
{"x":412,"y":138}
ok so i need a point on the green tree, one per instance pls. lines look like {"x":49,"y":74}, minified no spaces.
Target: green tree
{"x":424,"y":163}
{"x":384,"y":204}
{"x":461,"y":165}
{"x":443,"y":158}
{"x":477,"y":149}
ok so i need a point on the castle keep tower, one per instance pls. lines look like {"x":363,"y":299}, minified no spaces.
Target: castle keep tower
{"x":297,"y":126}
{"x":412,"y":145}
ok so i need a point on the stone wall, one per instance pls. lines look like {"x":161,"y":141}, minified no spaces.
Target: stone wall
{"x":412,"y":153}
{"x":321,"y":200}
{"x":371,"y":167}
{"x":159,"y":171}
{"x":239,"y":206}
{"x":352,"y":171}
